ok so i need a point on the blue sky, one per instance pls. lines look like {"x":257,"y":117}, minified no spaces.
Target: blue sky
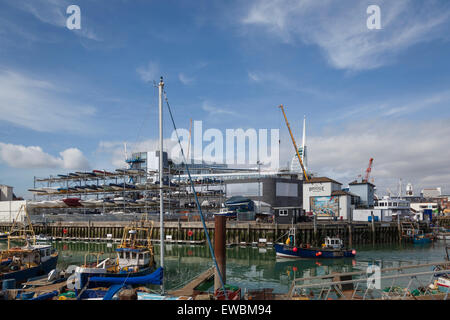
{"x":70,"y":98}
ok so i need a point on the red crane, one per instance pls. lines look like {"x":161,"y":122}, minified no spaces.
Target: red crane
{"x":368,"y":170}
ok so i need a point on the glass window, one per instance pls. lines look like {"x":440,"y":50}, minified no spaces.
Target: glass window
{"x":245,"y":189}
{"x":284,"y":189}
{"x":283,"y":212}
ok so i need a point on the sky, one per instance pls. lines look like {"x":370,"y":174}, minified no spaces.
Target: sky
{"x":69,"y":99}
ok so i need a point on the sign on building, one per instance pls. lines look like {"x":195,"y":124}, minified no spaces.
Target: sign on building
{"x":326,"y":207}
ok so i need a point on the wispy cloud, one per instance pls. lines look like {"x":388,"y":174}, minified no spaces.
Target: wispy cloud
{"x":213,"y":111}
{"x":19,"y":156}
{"x":340,"y":30}
{"x":397,"y":107}
{"x":150,"y":72}
{"x":40,"y":105}
{"x":185,"y":79}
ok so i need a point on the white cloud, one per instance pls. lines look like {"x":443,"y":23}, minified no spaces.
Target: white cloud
{"x":212,"y":110}
{"x":340,"y":29}
{"x":254,"y":77}
{"x":417,"y":152}
{"x":150,"y":72}
{"x":185,"y":79}
{"x":40,"y":105}
{"x":396,"y":107}
{"x":19,"y":156}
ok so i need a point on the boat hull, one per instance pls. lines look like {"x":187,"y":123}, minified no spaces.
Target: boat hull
{"x":286,"y":251}
{"x":443,"y":285}
{"x":23,"y":275}
{"x":84,"y":276}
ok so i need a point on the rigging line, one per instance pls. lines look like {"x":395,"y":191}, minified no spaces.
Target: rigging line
{"x":196,"y":200}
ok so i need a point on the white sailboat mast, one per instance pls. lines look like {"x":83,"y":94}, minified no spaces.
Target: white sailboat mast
{"x":304,"y":157}
{"x":161,"y":172}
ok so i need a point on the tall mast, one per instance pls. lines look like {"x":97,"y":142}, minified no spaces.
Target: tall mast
{"x":161,"y":172}
{"x":304,"y":159}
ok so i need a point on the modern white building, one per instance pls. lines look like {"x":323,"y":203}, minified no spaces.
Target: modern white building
{"x":365,"y":191}
{"x":9,"y":211}
{"x":431,"y":192}
{"x":421,"y":206}
{"x":295,"y":165}
{"x":6,"y":193}
{"x":386,"y":209}
{"x":325,"y":198}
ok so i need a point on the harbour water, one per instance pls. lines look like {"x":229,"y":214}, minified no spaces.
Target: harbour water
{"x":256,"y":267}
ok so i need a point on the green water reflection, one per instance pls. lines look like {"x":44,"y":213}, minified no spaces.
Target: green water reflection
{"x":252,"y":267}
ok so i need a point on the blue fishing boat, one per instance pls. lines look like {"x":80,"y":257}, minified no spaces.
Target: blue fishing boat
{"x":4,"y":235}
{"x":420,"y":239}
{"x":134,"y":260}
{"x":332,"y":248}
{"x":24,"y":262}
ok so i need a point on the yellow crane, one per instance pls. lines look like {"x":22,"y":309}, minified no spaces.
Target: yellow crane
{"x":295,"y":144}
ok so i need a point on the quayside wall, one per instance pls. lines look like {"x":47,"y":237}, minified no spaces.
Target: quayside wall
{"x":236,"y":232}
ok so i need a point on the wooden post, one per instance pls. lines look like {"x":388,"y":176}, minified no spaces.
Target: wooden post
{"x":315,"y":230}
{"x":350,"y":240}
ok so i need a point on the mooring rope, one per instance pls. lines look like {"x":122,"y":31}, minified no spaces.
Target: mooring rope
{"x":196,"y":199}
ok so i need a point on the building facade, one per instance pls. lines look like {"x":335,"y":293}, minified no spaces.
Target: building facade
{"x":325,"y":198}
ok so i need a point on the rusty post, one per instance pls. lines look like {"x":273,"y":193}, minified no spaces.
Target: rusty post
{"x":219,"y":249}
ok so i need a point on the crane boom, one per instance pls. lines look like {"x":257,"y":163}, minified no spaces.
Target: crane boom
{"x":295,"y":144}
{"x":368,"y":170}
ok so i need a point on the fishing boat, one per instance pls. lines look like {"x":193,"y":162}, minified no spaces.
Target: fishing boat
{"x":134,"y":260}
{"x":417,"y":236}
{"x":443,"y":236}
{"x":332,"y":248}
{"x":4,"y":235}
{"x":24,"y":262}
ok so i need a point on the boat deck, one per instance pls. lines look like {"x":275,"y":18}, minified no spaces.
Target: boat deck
{"x":189,"y":289}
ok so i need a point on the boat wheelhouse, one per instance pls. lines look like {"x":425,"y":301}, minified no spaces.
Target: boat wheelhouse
{"x":333,"y":247}
{"x":134,"y":258}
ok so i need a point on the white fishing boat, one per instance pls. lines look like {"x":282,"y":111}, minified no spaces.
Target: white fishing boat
{"x":443,"y":236}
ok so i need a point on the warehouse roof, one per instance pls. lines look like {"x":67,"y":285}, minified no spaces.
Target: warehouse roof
{"x":321,"y":179}
{"x":356,"y":182}
{"x":343,"y":193}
